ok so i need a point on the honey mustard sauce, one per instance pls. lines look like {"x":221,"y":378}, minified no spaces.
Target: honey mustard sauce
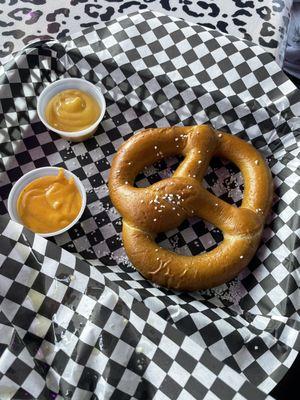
{"x":72,"y":110}
{"x":49,"y":203}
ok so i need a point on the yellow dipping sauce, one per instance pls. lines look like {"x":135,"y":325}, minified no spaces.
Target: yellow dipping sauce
{"x":72,"y":110}
{"x":49,"y":203}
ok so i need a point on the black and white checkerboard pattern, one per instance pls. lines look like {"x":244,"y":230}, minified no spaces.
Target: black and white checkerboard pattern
{"x":73,"y":333}
{"x":159,"y":71}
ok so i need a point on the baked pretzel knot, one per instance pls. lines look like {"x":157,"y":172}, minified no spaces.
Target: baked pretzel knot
{"x":165,"y":204}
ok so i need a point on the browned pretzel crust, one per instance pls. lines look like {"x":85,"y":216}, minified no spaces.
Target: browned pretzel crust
{"x":165,"y":204}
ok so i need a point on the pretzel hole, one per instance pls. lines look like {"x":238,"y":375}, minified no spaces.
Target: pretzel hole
{"x":194,"y":236}
{"x":224,"y":180}
{"x":153,"y":173}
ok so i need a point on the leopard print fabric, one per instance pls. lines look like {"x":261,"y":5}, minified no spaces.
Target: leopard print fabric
{"x":262,"y":21}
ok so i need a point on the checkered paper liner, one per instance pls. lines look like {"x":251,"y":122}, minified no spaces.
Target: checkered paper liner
{"x":74,"y":332}
{"x":159,"y":71}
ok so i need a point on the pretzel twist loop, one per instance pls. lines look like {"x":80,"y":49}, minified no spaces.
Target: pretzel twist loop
{"x":165,"y":204}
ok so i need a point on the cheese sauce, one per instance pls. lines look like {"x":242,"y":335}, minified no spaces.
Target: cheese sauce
{"x":49,"y":203}
{"x":72,"y":110}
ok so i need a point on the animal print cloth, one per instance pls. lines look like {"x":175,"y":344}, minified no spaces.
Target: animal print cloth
{"x":264,"y":22}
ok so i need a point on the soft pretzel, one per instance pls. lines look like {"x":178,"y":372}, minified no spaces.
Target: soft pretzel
{"x":165,"y":204}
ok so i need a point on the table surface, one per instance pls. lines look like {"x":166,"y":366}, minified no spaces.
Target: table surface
{"x":263,"y":22}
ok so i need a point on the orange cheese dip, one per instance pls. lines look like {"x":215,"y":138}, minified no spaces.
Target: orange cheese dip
{"x":72,"y":110}
{"x":49,"y":203}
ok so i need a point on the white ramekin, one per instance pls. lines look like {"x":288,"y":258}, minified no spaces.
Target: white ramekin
{"x":31,"y":176}
{"x":65,"y":84}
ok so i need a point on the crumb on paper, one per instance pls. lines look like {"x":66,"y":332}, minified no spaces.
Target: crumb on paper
{"x":139,"y":349}
{"x":232,"y":291}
